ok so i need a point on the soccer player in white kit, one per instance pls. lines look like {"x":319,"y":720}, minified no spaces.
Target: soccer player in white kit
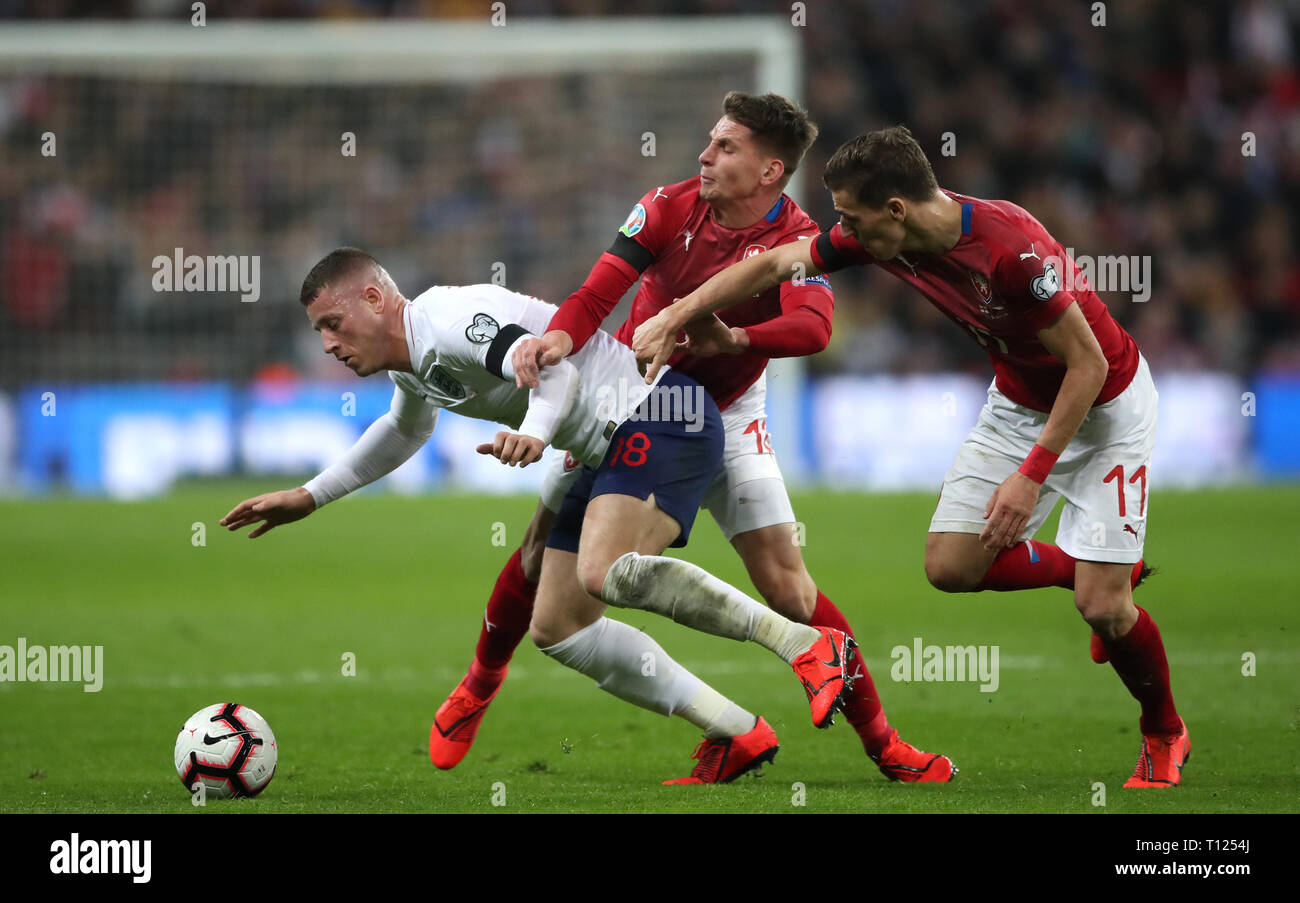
{"x":450,"y":348}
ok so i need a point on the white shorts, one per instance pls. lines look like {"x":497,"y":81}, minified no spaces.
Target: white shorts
{"x":749,"y":492}
{"x":1104,"y":473}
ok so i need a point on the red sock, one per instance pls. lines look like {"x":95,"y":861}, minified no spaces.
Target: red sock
{"x":505,"y":623}
{"x":1138,"y":658}
{"x":1029,"y":565}
{"x":862,"y":704}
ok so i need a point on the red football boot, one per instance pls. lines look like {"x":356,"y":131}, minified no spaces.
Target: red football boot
{"x":824,"y":672}
{"x":1161,"y":759}
{"x":455,"y":725}
{"x":722,"y":761}
{"x":902,"y":761}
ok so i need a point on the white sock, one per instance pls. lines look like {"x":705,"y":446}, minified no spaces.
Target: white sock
{"x":692,"y":596}
{"x":629,"y":664}
{"x":717,"y":715}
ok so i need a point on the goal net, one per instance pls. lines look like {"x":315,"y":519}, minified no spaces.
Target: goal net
{"x":455,"y":152}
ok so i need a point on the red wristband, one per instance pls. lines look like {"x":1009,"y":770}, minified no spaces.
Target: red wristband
{"x":1039,"y":464}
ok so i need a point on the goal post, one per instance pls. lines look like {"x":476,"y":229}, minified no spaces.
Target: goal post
{"x":457,"y":152}
{"x":401,"y":51}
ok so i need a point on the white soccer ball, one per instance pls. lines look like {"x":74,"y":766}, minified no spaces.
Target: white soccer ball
{"x":227,"y":747}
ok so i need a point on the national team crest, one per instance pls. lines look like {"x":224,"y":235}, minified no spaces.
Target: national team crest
{"x":982,"y":287}
{"x":753,"y":251}
{"x":570,"y":462}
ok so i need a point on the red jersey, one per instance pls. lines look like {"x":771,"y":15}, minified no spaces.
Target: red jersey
{"x":671,"y":241}
{"x":1002,"y":282}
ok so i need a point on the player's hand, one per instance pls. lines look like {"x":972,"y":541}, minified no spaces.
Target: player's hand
{"x":513,"y":448}
{"x":708,"y":336}
{"x":271,"y":508}
{"x":532,"y":354}
{"x":654,"y":342}
{"x":1008,"y":511}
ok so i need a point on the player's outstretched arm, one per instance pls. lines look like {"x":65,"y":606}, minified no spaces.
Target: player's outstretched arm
{"x":382,"y":448}
{"x":270,"y":510}
{"x":1071,"y":340}
{"x":655,"y":340}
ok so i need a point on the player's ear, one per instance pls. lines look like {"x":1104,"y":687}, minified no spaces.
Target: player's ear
{"x":373,"y":296}
{"x":897,"y":208}
{"x":773,"y":171}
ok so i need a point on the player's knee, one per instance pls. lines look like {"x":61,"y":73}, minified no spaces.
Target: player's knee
{"x":789,"y":592}
{"x":950,"y":577}
{"x":1106,"y":613}
{"x":546,"y":633}
{"x":591,"y":573}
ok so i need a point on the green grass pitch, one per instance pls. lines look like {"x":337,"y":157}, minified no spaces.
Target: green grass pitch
{"x":401,"y":583}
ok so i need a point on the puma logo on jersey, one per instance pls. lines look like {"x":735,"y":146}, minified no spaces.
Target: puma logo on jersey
{"x":1128,"y":528}
{"x":907,"y":263}
{"x":688,"y":239}
{"x":1032,"y":253}
{"x":659,"y":193}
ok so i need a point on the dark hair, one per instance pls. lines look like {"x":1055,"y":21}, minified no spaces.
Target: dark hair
{"x":337,"y":264}
{"x":779,"y":125}
{"x":881,"y":165}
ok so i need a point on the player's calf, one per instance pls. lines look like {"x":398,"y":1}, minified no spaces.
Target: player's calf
{"x":534,"y":544}
{"x":777,"y":571}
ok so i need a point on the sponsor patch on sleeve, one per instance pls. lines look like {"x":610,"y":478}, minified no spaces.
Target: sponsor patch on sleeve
{"x":635,"y":221}
{"x":1045,"y":286}
{"x":818,"y":280}
{"x":482,"y":330}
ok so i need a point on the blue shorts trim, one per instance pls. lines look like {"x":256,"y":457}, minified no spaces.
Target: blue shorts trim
{"x":670,"y":447}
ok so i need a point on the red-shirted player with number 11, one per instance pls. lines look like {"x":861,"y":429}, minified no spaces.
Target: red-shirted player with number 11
{"x":1071,"y":412}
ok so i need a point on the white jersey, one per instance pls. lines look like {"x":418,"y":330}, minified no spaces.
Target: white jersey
{"x":460,"y":339}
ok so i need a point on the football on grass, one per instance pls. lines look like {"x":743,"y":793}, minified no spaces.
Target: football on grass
{"x":229,"y":749}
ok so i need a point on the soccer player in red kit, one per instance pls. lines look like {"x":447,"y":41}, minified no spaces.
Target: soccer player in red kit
{"x":1071,"y":412}
{"x":676,"y":237}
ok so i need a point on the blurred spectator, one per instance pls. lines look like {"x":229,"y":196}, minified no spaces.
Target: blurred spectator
{"x":1172,"y":131}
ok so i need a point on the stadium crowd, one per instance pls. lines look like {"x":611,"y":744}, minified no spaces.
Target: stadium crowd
{"x":1171,"y":132}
